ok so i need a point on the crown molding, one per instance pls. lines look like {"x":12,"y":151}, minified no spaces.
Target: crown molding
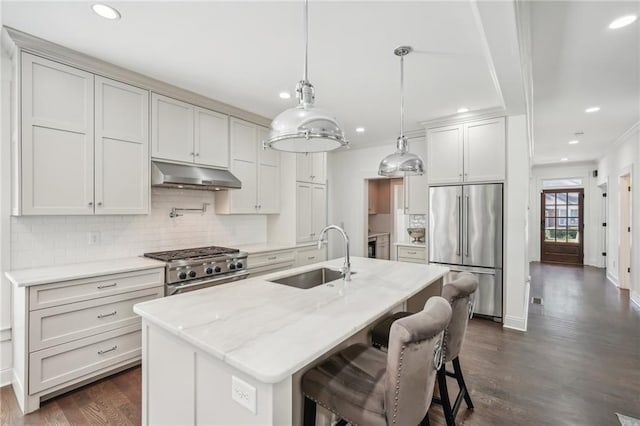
{"x":480,"y":114}
{"x":55,"y":52}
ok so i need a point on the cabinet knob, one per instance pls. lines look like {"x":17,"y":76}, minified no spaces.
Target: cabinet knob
{"x":197,"y":154}
{"x":192,"y":153}
{"x":90,"y":203}
{"x":99,"y":204}
{"x":259,"y":206}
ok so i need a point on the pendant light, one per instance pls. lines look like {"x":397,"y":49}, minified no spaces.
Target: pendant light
{"x":401,"y":162}
{"x":305,"y":128}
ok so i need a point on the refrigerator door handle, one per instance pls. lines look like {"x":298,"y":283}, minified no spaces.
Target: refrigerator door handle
{"x":459,"y":225}
{"x":466,"y":226}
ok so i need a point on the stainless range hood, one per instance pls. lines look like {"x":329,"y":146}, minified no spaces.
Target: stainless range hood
{"x":169,"y":175}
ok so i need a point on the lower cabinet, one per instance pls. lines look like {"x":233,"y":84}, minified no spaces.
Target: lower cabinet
{"x":382,"y":247}
{"x":411,"y":254}
{"x":271,"y":261}
{"x":310,"y":255}
{"x":69,"y":333}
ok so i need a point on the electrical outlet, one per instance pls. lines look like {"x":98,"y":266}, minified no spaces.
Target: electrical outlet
{"x":243,"y":393}
{"x":94,"y":238}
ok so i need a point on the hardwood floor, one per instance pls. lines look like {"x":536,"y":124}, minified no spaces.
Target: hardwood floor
{"x":578,"y":364}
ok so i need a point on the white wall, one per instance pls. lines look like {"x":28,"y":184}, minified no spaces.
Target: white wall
{"x":516,"y":256}
{"x":592,"y":208}
{"x":623,"y":157}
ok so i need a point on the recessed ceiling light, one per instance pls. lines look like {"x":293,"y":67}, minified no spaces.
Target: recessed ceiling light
{"x":360,"y":129}
{"x":564,"y":159}
{"x":623,"y":21}
{"x":285,"y":95}
{"x":105,"y":11}
{"x":463,"y":109}
{"x":592,"y":109}
{"x":573,"y":142}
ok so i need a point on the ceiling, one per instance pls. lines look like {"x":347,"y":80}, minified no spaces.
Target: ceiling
{"x":245,"y":53}
{"x":578,"y":62}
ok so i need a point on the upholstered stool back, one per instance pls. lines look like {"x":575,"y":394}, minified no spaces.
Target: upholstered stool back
{"x":458,"y":293}
{"x":413,"y":358}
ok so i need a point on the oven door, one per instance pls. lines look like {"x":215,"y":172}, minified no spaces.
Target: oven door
{"x":177,"y":288}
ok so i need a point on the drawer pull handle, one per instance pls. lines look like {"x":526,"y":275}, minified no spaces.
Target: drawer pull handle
{"x":102,"y":352}
{"x":272,"y":257}
{"x":100,"y":287}
{"x":411,"y":252}
{"x":311,"y":257}
{"x":107,"y":315}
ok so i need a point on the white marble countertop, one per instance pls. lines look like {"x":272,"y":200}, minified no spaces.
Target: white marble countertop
{"x":377,"y":234}
{"x":410,"y":244}
{"x":49,"y":274}
{"x":269,"y":331}
{"x":265,"y":247}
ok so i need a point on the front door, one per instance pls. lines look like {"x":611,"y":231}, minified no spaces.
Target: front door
{"x":562,"y":229}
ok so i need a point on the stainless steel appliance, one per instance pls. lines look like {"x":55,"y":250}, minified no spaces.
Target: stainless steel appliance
{"x":196,"y":268}
{"x":465,"y":232}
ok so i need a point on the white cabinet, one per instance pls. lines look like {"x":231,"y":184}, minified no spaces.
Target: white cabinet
{"x":311,"y":210}
{"x":382,"y":247}
{"x":415,"y":187}
{"x":309,"y":255}
{"x":467,"y":152}
{"x":258,"y":170}
{"x":411,"y":254}
{"x":71,"y":332}
{"x":270,"y":261}
{"x":187,"y":133}
{"x":311,"y":167}
{"x":121,"y":148}
{"x":57,"y":138}
{"x":84,"y":142}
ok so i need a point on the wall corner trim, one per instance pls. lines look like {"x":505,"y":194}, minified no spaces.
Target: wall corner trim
{"x":5,"y":376}
{"x":515,"y":323}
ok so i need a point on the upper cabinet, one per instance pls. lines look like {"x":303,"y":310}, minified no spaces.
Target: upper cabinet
{"x":467,"y":152}
{"x":84,"y":143}
{"x":258,"y":169}
{"x":187,"y":133}
{"x":311,"y":167}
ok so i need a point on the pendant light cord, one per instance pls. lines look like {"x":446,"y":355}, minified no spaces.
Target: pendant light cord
{"x":402,"y":96}
{"x":306,"y":39}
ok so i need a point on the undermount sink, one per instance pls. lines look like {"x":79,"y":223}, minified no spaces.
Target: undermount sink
{"x":310,"y":279}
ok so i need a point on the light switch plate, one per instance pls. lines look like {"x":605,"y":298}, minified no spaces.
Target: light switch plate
{"x":243,"y":393}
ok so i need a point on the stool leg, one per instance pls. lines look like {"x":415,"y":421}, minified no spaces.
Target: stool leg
{"x":461,"y":384}
{"x":425,"y":420}
{"x":309,"y":412}
{"x":444,"y":396}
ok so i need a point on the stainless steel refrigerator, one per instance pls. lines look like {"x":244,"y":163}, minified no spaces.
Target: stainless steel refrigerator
{"x":465,"y":233}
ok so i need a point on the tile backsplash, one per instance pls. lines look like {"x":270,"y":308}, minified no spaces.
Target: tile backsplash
{"x":52,"y":240}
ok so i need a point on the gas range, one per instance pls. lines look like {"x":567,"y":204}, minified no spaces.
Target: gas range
{"x":195,"y":268}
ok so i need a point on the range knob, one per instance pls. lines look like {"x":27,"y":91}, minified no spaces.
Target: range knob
{"x":239,"y":265}
{"x":217,"y":269}
{"x":209,"y":271}
{"x":232,"y":266}
{"x":182,"y":275}
{"x":192,"y":274}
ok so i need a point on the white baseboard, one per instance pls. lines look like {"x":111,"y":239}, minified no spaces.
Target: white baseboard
{"x":612,"y":279}
{"x":515,"y":323}
{"x":5,"y":376}
{"x":635,"y":298}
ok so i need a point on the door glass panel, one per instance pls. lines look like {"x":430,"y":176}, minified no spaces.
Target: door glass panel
{"x":562,"y":221}
{"x":561,"y":198}
{"x":574,"y":211}
{"x":549,"y":212}
{"x":561,"y":234}
{"x":550,"y":235}
{"x":550,"y":222}
{"x":573,"y":235}
{"x":572,"y":198}
{"x":550,"y":199}
{"x":573,"y":222}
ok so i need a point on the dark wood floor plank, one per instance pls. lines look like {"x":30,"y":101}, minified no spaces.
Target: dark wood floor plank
{"x":578,"y":364}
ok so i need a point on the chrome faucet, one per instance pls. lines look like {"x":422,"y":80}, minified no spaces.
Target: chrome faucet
{"x":346,"y":269}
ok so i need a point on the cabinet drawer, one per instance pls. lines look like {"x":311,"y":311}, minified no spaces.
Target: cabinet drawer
{"x":411,"y":260}
{"x":270,"y":258}
{"x":310,"y":255}
{"x":412,"y":253}
{"x":65,"y":323}
{"x":48,"y":295}
{"x":70,"y":361}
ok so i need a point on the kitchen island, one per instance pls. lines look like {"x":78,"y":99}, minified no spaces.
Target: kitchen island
{"x":234,"y":354}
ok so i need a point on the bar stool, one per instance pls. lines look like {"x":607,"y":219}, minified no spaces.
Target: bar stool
{"x":458,"y":293}
{"x":366,"y":387}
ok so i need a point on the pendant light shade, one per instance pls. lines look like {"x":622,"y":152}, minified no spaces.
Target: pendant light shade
{"x":402,"y":162}
{"x":305,"y":128}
